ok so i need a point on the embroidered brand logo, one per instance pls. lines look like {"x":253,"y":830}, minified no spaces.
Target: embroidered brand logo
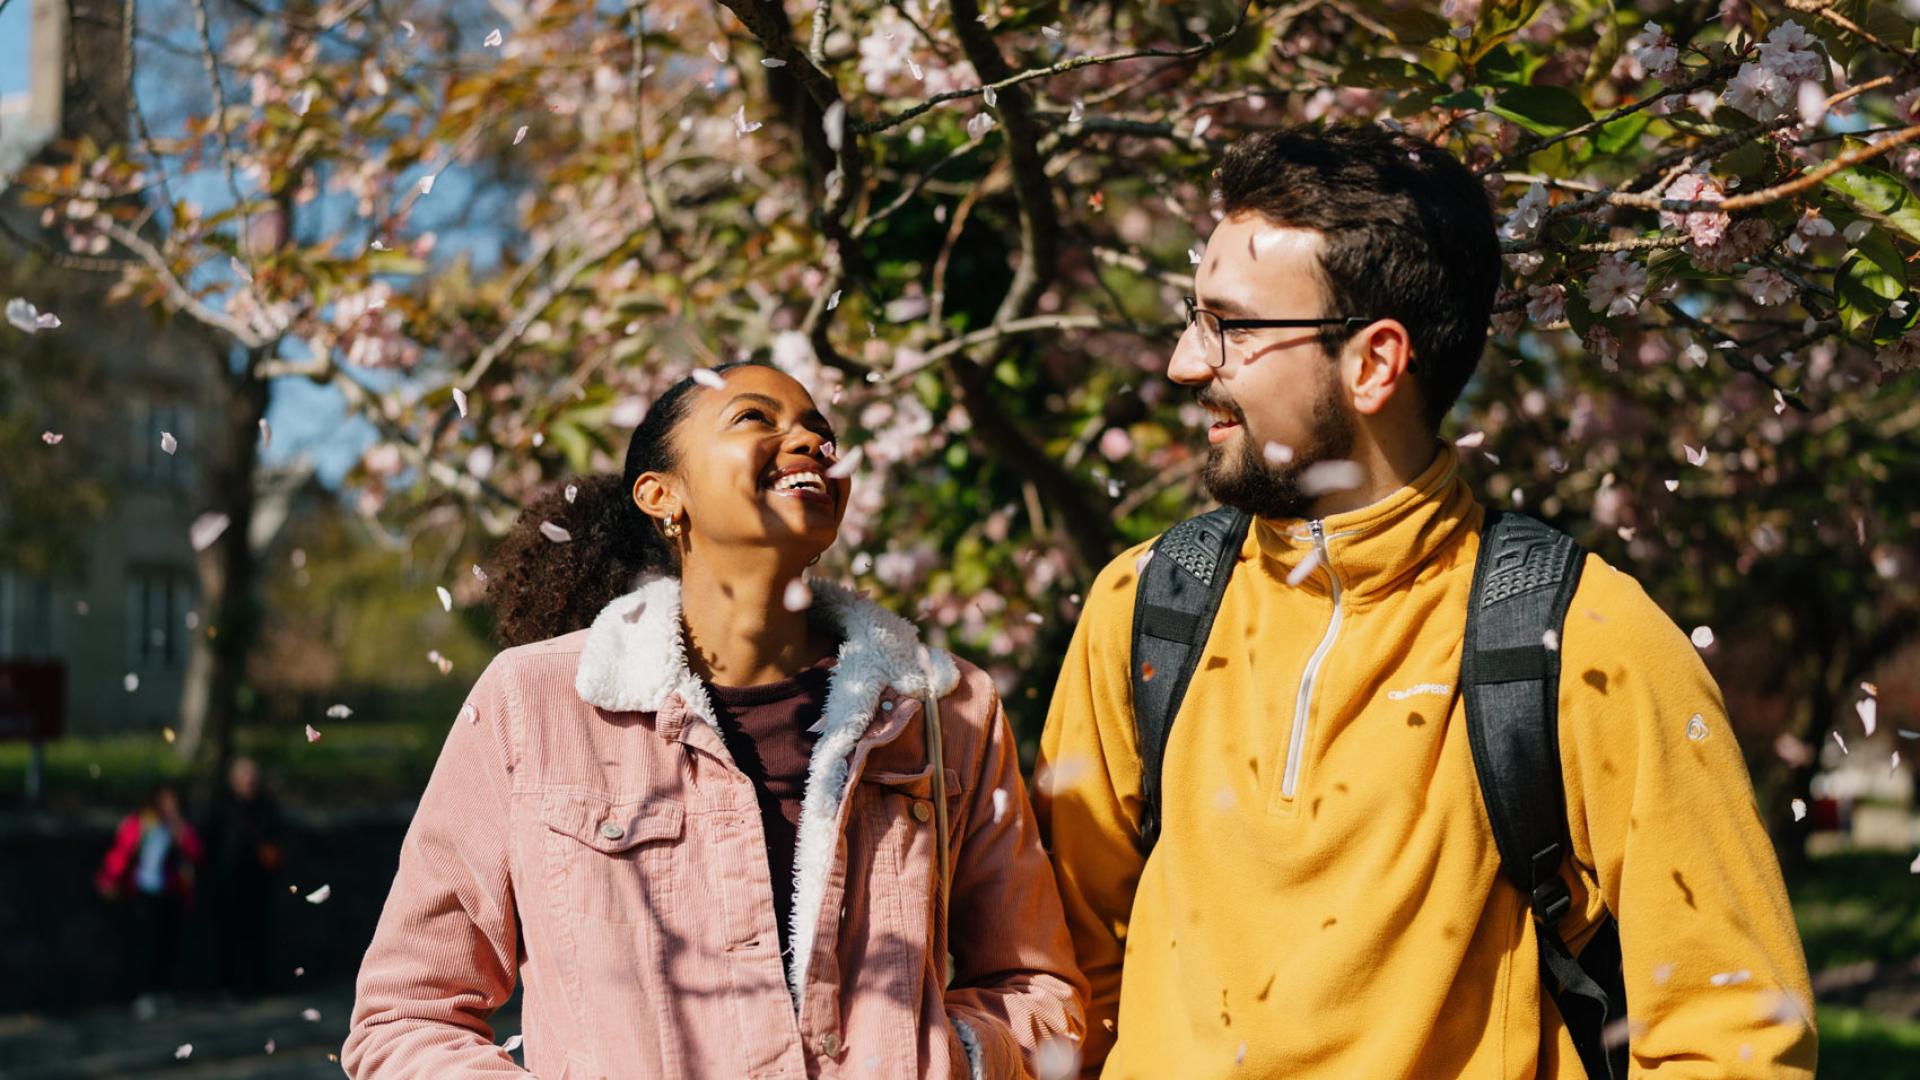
{"x":1436,"y":689}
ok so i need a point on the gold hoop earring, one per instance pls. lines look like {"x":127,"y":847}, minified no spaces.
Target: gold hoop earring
{"x":671,"y":529}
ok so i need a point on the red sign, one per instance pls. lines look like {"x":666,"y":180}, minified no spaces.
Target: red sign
{"x":33,"y":699}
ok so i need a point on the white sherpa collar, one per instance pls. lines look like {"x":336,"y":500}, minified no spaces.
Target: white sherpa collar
{"x":635,"y":659}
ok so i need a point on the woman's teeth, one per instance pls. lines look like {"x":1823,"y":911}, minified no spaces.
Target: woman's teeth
{"x":804,"y":481}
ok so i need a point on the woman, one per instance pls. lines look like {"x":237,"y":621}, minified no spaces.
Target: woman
{"x":706,"y":829}
{"x":152,"y":858}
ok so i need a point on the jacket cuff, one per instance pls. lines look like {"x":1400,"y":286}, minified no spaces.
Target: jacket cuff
{"x":969,"y":1042}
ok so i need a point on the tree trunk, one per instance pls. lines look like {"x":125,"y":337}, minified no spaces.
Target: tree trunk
{"x":229,"y":606}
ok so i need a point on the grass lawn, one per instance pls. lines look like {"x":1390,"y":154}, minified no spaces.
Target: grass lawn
{"x":352,"y":763}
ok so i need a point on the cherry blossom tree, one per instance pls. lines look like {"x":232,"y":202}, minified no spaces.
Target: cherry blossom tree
{"x":499,"y":231}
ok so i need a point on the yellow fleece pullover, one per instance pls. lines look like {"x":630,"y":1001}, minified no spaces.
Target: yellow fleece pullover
{"x":1325,"y":897}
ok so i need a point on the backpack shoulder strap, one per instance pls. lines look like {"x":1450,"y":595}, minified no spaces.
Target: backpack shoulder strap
{"x":1173,"y":607}
{"x":1523,"y":583}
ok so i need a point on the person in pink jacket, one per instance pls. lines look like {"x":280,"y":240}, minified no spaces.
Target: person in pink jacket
{"x":699,"y":808}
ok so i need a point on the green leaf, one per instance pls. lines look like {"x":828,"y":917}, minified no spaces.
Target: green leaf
{"x":1497,"y":22}
{"x":1881,"y":195}
{"x":1463,"y":99}
{"x":1543,"y":110}
{"x":1877,"y":246}
{"x":1505,"y":65}
{"x":1621,"y":133}
{"x":1386,"y":73}
{"x":1414,"y":25}
{"x":1865,"y":291}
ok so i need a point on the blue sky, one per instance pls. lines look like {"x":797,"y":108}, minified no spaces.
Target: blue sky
{"x":15,"y":59}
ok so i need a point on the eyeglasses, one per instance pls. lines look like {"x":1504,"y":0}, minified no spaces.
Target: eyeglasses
{"x":1213,"y":328}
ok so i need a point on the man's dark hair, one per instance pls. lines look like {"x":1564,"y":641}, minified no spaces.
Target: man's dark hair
{"x":1410,"y":235}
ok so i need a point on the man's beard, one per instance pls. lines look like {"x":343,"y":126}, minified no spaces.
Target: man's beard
{"x":1237,"y":473}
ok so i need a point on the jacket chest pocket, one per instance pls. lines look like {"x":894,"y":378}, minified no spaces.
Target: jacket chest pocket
{"x":898,"y":811}
{"x":613,"y":860}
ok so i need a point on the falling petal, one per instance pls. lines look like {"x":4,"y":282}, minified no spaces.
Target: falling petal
{"x":1052,"y":32}
{"x":1731,"y":978}
{"x":834,"y":122}
{"x":1869,"y":710}
{"x":1695,"y":457}
{"x":1470,"y":440}
{"x":494,"y":39}
{"x":1277,"y":453}
{"x":25,"y":317}
{"x":426,"y":184}
{"x":1551,"y":640}
{"x":1672,"y":485}
{"x":206,"y":529}
{"x":168,"y":443}
{"x":554,"y":532}
{"x":979,"y":125}
{"x":1793,"y":751}
{"x":1306,"y":568}
{"x":1140,"y":563}
{"x":1894,"y":765}
{"x":1799,"y":809}
{"x":999,"y":804}
{"x":742,"y":126}
{"x":1841,"y":741}
{"x":512,"y":1044}
{"x":798,"y":596}
{"x":50,"y":438}
{"x":479,"y":574}
{"x":1201,"y":125}
{"x":266,"y":434}
{"x":572,"y":493}
{"x":338,"y":712}
{"x":773,"y":62}
{"x":846,"y":466}
{"x":407,"y":25}
{"x":131,"y":682}
{"x":709,"y":378}
{"x":1327,"y":477}
{"x":311,"y":1016}
{"x":990,"y":96}
{"x":834,"y":300}
{"x":520,"y":135}
{"x":1193,"y":256}
{"x":300,"y":102}
{"x":470,"y":714}
{"x":270,"y":1046}
{"x":319,"y":895}
{"x":1077,"y":113}
{"x":1813,"y":103}
{"x":460,"y":401}
{"x":312,"y":737}
{"x":1702,"y":636}
{"x":183,"y":1052}
{"x":446,"y":598}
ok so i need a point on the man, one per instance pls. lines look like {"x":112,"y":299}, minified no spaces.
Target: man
{"x":1324,"y":897}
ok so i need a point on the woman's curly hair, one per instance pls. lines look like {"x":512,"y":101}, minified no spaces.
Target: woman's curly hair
{"x":540,"y":588}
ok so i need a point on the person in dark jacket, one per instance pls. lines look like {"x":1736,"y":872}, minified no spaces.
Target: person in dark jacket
{"x":242,"y":830}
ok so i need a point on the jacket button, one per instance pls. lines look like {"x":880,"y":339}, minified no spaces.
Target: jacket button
{"x":612,"y":831}
{"x":922,"y":811}
{"x":830,"y":1044}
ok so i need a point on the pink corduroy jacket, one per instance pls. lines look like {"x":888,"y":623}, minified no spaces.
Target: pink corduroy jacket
{"x":586,"y":831}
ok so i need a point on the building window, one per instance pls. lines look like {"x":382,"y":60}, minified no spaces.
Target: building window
{"x":158,"y":602}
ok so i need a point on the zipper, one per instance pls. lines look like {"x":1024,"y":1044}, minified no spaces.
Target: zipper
{"x":1297,"y":743}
